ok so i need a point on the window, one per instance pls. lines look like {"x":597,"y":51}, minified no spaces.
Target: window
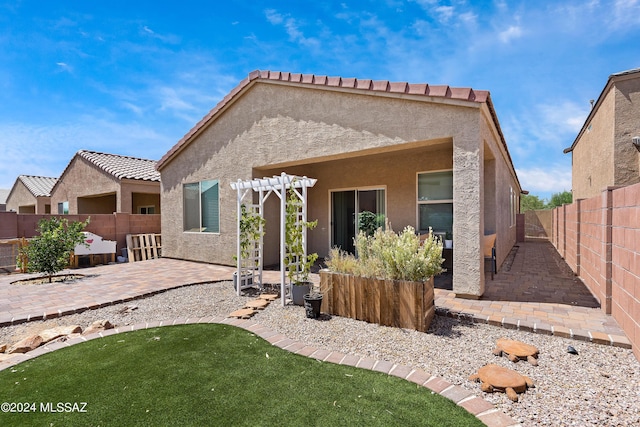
{"x":435,"y":201}
{"x":513,"y":198}
{"x":63,"y":208}
{"x":201,"y":207}
{"x":146,"y":210}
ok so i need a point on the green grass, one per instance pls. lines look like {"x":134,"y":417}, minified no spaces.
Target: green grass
{"x":214,"y":375}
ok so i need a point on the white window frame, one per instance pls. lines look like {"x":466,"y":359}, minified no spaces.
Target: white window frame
{"x":429,"y":202}
{"x":184,"y":207}
{"x":146,"y":208}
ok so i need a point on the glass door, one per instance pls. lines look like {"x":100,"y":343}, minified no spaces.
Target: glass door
{"x":354,"y":210}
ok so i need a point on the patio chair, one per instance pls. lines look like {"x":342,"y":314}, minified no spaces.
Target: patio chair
{"x":489,"y":248}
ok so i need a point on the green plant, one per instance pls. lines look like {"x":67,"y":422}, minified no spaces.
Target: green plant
{"x":297,"y":264}
{"x":448,"y":235}
{"x":251,"y":229}
{"x":368,"y":222}
{"x":50,"y":250}
{"x":388,"y":255}
{"x":341,"y":261}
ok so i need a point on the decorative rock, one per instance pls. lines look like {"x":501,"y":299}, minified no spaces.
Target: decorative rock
{"x":496,"y":378}
{"x":53,"y":333}
{"x":98,"y":326}
{"x":243,"y":313}
{"x":127,"y":309}
{"x":269,"y":297}
{"x":516,"y":350}
{"x":572,"y":350}
{"x":25,"y":345}
{"x":257,"y":304}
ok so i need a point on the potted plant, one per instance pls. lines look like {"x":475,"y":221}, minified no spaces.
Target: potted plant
{"x":297,"y":262}
{"x":251,"y":230}
{"x":448,"y":240}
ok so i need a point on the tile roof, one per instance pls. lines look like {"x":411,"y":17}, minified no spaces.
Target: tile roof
{"x":123,"y":167}
{"x":39,"y":186}
{"x":4,"y":193}
{"x":353,"y":84}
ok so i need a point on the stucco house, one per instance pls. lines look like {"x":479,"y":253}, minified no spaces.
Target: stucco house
{"x":31,"y":194}
{"x":422,"y":155}
{"x":4,"y":193}
{"x":606,"y":151}
{"x":101,"y":183}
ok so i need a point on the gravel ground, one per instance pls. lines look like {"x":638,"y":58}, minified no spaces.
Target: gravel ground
{"x":600,"y":386}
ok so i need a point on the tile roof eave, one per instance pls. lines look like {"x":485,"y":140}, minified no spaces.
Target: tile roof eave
{"x":422,"y":89}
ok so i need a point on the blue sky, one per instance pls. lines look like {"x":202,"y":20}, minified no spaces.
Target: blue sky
{"x":133,"y":77}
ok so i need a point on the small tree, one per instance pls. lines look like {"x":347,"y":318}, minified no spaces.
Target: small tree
{"x":49,"y":252}
{"x":530,"y":202}
{"x":559,"y":199}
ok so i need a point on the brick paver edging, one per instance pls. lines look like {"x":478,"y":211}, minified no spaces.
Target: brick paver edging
{"x":483,"y":410}
{"x":538,"y":327}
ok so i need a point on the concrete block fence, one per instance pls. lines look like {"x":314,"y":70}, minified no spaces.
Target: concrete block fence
{"x":114,"y":226}
{"x":600,"y":240}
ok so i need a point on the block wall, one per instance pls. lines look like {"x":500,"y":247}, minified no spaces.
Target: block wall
{"x":599,"y":238}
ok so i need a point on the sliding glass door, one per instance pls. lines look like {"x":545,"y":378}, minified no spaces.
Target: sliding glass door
{"x":354,"y":210}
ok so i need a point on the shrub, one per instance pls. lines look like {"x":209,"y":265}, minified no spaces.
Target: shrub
{"x":49,"y":252}
{"x":388,"y":255}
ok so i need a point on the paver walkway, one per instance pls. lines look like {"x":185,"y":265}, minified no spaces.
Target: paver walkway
{"x":535,"y":290}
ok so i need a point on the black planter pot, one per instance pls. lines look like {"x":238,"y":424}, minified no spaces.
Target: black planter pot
{"x":312,"y":304}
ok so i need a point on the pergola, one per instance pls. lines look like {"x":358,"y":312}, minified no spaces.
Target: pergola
{"x":278,"y":185}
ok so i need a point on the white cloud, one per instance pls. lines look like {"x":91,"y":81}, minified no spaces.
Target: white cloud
{"x":545,"y":180}
{"x":445,"y":13}
{"x":45,"y":150}
{"x":292,"y":27}
{"x":63,"y":66}
{"x":511,"y":33}
{"x":273,"y":17}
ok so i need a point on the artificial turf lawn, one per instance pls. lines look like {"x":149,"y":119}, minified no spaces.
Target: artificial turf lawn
{"x":211,"y":375}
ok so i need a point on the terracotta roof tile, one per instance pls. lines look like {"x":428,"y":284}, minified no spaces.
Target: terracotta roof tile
{"x":418,"y":88}
{"x":438,"y":91}
{"x":334,"y":81}
{"x":442,"y":91}
{"x":123,"y":166}
{"x":349,"y":82}
{"x":381,"y":85}
{"x":39,"y":186}
{"x":398,"y":87}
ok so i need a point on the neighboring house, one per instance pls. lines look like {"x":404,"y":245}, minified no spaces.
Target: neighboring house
{"x":100,"y":183}
{"x":604,"y":153}
{"x":4,"y":193}
{"x":425,"y":156}
{"x":31,"y":194}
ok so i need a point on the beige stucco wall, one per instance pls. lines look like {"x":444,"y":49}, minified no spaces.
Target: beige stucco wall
{"x":21,"y":200}
{"x":89,"y":189}
{"x":627,"y":125}
{"x":345,"y":140}
{"x":604,"y":155}
{"x":592,"y":159}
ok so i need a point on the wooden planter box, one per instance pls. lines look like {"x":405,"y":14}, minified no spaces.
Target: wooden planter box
{"x":386,"y":302}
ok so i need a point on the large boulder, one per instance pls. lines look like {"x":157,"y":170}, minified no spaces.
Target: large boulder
{"x":59,"y":331}
{"x":26,"y":344}
{"x":98,"y":326}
